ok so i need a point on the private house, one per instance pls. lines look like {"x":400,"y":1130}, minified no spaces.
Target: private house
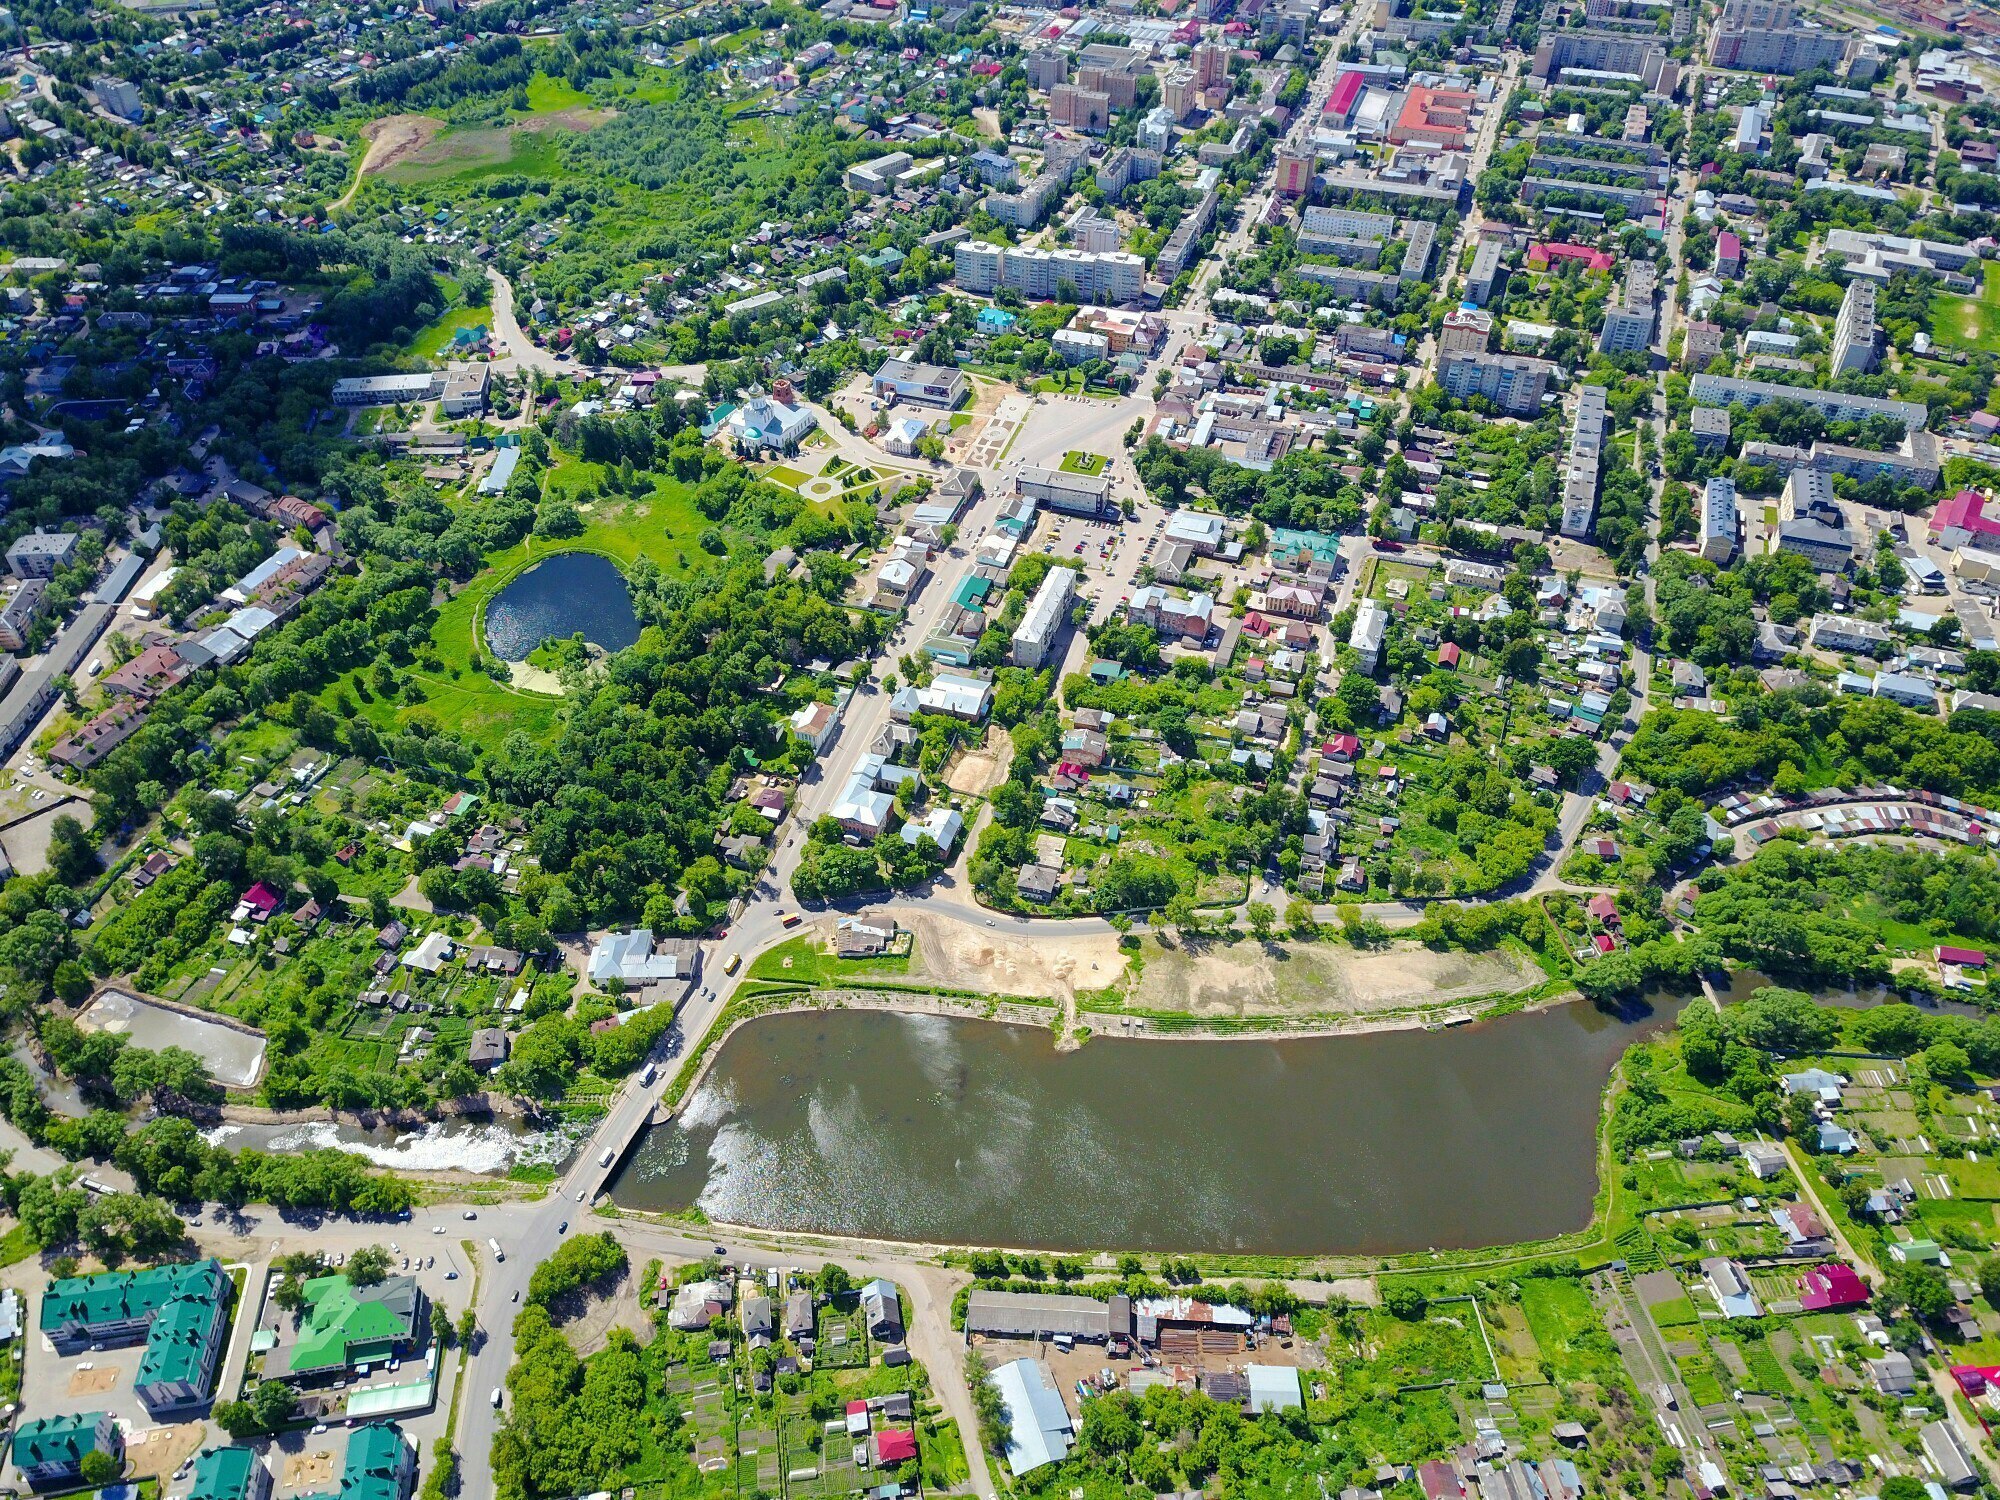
{"x":49,"y":1451}
{"x":343,"y":1328}
{"x":882,"y":1307}
{"x":1893,"y":1374}
{"x":487,"y":1049}
{"x":1764,"y":1160}
{"x":179,"y":1313}
{"x":1804,"y":1233}
{"x":1730,"y":1287}
{"x":1956,"y":1468}
{"x":1833,"y":1287}
{"x":1822,"y":1085}
{"x":757,"y":1325}
{"x":698,"y":1304}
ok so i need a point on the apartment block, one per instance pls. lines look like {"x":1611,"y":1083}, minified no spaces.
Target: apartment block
{"x":1589,"y":430}
{"x":1767,"y":36}
{"x":1854,"y":331}
{"x":1628,"y":322}
{"x":1112,"y":276}
{"x":1512,"y":382}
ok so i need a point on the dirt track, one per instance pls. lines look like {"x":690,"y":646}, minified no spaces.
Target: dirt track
{"x":390,"y":139}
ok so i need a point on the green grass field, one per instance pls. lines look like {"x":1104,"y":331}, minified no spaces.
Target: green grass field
{"x":435,"y":342}
{"x":1969,"y":322}
{"x":1071,"y":383}
{"x":1090,"y":464}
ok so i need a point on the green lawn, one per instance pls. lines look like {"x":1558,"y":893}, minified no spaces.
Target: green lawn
{"x":1969,"y":322}
{"x":547,"y":95}
{"x":435,"y":342}
{"x":1566,"y":1326}
{"x":1071,"y":383}
{"x":1089,"y":464}
{"x":1678,"y":1313}
{"x":801,"y":960}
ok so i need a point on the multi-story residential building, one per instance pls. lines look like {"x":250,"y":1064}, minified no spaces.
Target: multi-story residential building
{"x":1854,"y":331}
{"x":179,"y":1312}
{"x":1702,"y":342}
{"x":1628,"y":322}
{"x":19,"y":611}
{"x":40,"y":553}
{"x":1811,"y":523}
{"x":1512,"y":382}
{"x":1487,"y":268}
{"x":1839,"y":406}
{"x":1466,"y":329}
{"x":1112,"y":276}
{"x":1848,"y":633}
{"x":1076,"y":107}
{"x":119,"y":98}
{"x":49,"y":1451}
{"x":1607,"y":55}
{"x":1043,"y":621}
{"x":1767,"y":36}
{"x":1718,"y":519}
{"x":1588,"y":432}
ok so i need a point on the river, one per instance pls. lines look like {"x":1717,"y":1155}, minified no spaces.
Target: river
{"x":932,"y":1128}
{"x":569,"y":593}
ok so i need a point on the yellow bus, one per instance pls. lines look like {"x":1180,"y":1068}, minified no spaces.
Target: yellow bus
{"x":732,"y":963}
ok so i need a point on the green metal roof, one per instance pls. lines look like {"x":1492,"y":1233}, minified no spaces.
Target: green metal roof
{"x":222,"y":1474}
{"x":119,"y":1296}
{"x":374,"y":1468}
{"x":56,"y":1440}
{"x":344,"y":1325}
{"x":176,"y":1344}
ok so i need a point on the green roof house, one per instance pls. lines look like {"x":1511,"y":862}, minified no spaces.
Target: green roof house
{"x":51,"y":1450}
{"x":230,"y":1473}
{"x":344,"y":1326}
{"x":180,"y":1313}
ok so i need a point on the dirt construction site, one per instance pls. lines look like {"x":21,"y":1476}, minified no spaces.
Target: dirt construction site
{"x":1270,"y":979}
{"x":969,"y":958}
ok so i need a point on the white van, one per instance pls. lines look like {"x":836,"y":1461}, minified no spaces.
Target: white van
{"x":496,"y":1398}
{"x":605,"y":1159}
{"x":494,"y":1246}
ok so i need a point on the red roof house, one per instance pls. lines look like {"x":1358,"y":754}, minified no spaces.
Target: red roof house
{"x":895,"y":1446}
{"x":261,"y":899}
{"x":1448,"y":654}
{"x":1963,"y":958}
{"x":1832,"y":1287}
{"x":1602,"y":907}
{"x":1604,"y":942}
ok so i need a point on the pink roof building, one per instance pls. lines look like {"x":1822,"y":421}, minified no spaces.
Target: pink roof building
{"x":1831,"y":1287}
{"x":1963,"y":958}
{"x":1728,"y":253}
{"x":1964,"y":514}
{"x":1346,"y":89}
{"x":261,"y":898}
{"x":896,"y":1446}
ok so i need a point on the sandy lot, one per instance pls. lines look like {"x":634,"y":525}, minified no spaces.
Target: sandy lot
{"x":977,"y":772}
{"x":304,"y":1470}
{"x":589,"y":1324}
{"x":1248,"y":979}
{"x":967,"y":958}
{"x":92,"y":1382}
{"x":159,"y":1452}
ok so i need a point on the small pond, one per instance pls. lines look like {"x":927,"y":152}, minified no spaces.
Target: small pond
{"x":571,"y":593}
